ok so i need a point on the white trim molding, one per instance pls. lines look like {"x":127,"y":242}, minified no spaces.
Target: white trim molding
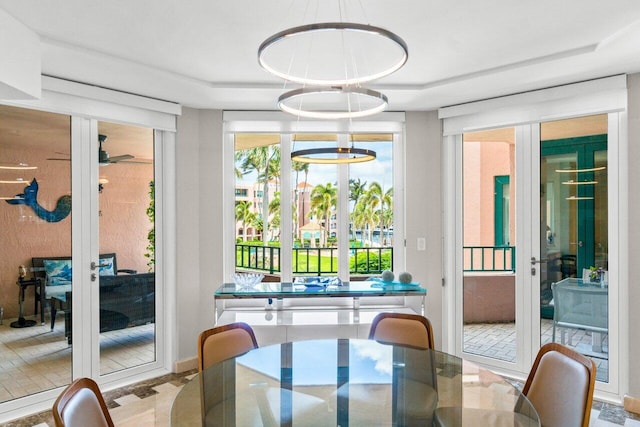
{"x":579,"y":99}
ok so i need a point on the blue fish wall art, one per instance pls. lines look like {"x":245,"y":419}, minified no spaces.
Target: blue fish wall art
{"x":29,"y":198}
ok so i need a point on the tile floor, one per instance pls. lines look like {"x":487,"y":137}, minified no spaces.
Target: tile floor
{"x":498,"y":340}
{"x":35,"y":359}
{"x":149,"y":403}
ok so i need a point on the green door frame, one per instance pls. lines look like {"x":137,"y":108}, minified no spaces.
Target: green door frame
{"x":585,"y":148}
{"x":499,"y":183}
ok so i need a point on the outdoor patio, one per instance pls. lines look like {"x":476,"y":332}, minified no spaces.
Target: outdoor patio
{"x":498,"y":340}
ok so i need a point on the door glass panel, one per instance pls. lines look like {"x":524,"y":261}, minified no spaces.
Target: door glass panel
{"x":35,"y":218}
{"x":489,"y":244}
{"x":315,"y":237}
{"x":257,"y":204}
{"x":574,"y":238}
{"x":127,"y":247}
{"x":371,"y":208}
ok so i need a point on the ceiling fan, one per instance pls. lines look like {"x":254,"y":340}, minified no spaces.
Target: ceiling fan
{"x":105,"y":159}
{"x":103,"y":156}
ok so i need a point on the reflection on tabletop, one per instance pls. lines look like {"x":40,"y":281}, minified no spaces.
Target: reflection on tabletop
{"x":339,"y":382}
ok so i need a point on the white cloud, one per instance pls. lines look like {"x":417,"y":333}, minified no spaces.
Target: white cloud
{"x":382,"y":355}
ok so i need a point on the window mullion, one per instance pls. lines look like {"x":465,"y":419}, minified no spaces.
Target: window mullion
{"x":342,"y":213}
{"x":286,"y":233}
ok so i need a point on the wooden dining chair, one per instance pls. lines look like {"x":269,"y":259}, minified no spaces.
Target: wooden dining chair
{"x":560,"y":386}
{"x":411,"y":330}
{"x":224,"y":342}
{"x":81,"y":404}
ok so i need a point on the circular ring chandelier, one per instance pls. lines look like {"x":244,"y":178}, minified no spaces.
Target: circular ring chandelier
{"x":349,"y":54}
{"x":333,"y":155}
{"x":332,"y":102}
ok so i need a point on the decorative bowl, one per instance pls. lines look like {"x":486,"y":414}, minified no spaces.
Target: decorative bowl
{"x":247,"y":280}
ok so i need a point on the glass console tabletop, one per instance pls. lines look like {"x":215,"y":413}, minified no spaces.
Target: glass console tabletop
{"x":345,"y":382}
{"x":319,"y":289}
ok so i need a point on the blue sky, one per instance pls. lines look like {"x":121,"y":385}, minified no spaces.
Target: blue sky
{"x":315,"y":362}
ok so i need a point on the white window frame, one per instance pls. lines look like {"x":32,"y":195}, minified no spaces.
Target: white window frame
{"x":285,"y":125}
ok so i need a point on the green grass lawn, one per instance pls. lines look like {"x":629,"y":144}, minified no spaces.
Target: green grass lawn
{"x":308,"y":264}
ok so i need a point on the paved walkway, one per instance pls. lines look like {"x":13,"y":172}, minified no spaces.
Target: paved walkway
{"x":498,"y":340}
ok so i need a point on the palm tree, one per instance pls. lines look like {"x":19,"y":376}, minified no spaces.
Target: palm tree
{"x":273,"y":168}
{"x":356,"y":190}
{"x":257,"y":160}
{"x":387,"y":217}
{"x":379,"y":200}
{"x":366,"y":217}
{"x":245,"y":216}
{"x":386,"y":214}
{"x":274,"y":211}
{"x":298,"y":167}
{"x":323,"y":200}
{"x":358,"y":220}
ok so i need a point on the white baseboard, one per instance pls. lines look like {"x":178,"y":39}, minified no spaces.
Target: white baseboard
{"x":632,"y":404}
{"x":186,"y":365}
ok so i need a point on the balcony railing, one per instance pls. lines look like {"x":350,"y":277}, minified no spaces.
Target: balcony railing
{"x":324,"y":261}
{"x":489,"y":258}
{"x":261,"y":258}
{"x":315,"y":261}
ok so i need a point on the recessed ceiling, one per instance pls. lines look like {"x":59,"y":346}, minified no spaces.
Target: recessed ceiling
{"x":203,"y":54}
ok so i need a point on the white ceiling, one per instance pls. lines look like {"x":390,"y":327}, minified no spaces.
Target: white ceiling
{"x":203,"y":54}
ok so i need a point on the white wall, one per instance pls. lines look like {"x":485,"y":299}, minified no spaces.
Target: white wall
{"x":199,"y":218}
{"x":423,"y":189}
{"x":633,"y":114}
{"x":199,"y":224}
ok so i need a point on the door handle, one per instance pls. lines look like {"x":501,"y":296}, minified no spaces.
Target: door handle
{"x":535,"y":261}
{"x":577,"y":243}
{"x":95,"y":265}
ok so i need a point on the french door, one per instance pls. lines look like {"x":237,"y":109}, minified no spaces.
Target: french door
{"x":574,"y":239}
{"x":116,"y":297}
{"x":533,"y":205}
{"x":95,"y":243}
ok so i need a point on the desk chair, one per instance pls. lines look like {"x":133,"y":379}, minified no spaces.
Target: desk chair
{"x":224,"y":342}
{"x":411,"y":330}
{"x":81,"y":404}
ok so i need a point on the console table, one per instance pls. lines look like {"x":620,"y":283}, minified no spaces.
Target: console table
{"x":279,"y":291}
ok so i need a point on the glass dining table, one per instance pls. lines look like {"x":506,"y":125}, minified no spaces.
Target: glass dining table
{"x":347,"y":382}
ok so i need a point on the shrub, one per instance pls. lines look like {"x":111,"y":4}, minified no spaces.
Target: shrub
{"x":375,"y":263}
